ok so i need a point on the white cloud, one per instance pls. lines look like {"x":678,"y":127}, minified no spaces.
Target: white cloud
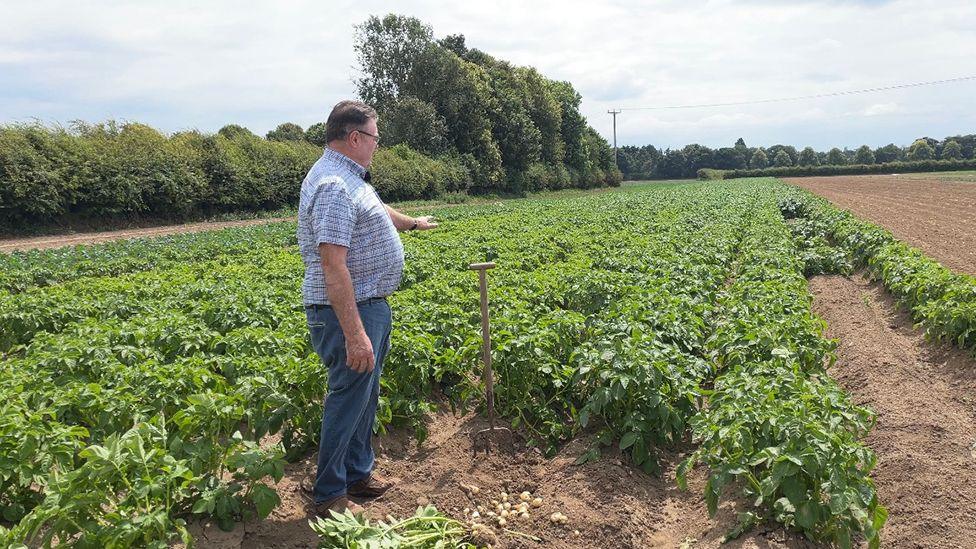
{"x":185,"y":64}
{"x":880,"y":109}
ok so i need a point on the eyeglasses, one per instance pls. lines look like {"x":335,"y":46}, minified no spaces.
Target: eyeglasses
{"x":375,"y":137}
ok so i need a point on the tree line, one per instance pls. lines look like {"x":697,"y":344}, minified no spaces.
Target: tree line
{"x":649,"y":162}
{"x":458,"y":121}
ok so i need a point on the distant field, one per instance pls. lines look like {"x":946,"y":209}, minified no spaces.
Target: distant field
{"x":659,"y":182}
{"x":930,"y":211}
{"x":968,"y":176}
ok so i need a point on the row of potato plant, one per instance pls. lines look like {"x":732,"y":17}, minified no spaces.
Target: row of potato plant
{"x":776,"y":426}
{"x":942,"y":301}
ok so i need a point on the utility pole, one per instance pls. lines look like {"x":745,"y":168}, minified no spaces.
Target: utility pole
{"x":615,"y":113}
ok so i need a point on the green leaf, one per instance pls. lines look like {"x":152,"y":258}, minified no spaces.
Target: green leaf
{"x":225,"y":523}
{"x":584,"y":417}
{"x":681,"y":473}
{"x":806,"y":515}
{"x":839,"y":502}
{"x":880,"y":517}
{"x":203,"y":505}
{"x":590,"y":455}
{"x":711,"y":497}
{"x":745,"y":522}
{"x":794,"y":489}
{"x":842,"y":537}
{"x":13,"y":512}
{"x":784,"y":505}
{"x":265,"y":499}
{"x":628,"y":439}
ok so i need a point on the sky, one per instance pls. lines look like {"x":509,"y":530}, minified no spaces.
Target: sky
{"x":178,"y":65}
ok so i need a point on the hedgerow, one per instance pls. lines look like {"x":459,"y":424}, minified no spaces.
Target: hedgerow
{"x":851,"y":169}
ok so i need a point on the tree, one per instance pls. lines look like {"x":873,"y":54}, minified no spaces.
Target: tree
{"x":864,"y":155}
{"x":573,"y":124}
{"x":230,"y":131}
{"x":836,"y":157}
{"x":741,"y":148}
{"x":460,"y":93}
{"x":627,"y":160}
{"x":387,"y":49}
{"x":638,"y":162}
{"x":518,"y":139}
{"x":545,"y":112}
{"x":889,"y":153}
{"x":967,"y":142}
{"x":808,"y":157}
{"x":696,"y":157}
{"x":499,"y":120}
{"x":772,"y":152}
{"x":729,"y":158}
{"x":759,"y":159}
{"x":286,"y":132}
{"x":600,"y":159}
{"x":952,"y":150}
{"x":455,"y":43}
{"x":921,"y":150}
{"x":782,"y":159}
{"x":672,"y":165}
{"x":414,"y":122}
{"x":315,"y":134}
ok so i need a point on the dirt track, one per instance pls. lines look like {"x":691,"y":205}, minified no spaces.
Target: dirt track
{"x":938,"y":216}
{"x":59,"y":241}
{"x":925,"y":398}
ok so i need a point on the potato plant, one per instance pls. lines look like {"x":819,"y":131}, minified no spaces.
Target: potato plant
{"x":646,"y":314}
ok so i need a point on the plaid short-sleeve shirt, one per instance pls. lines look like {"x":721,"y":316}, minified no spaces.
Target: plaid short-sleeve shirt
{"x":338,"y":206}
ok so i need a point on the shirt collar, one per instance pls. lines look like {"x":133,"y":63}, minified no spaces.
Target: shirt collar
{"x":341,"y":159}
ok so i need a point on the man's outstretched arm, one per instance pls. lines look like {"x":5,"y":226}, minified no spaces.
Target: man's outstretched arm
{"x":404,"y":222}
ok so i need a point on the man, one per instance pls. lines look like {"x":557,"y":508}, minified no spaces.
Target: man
{"x":353,"y":261}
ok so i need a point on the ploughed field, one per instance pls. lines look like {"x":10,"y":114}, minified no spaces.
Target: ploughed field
{"x":935,"y":212}
{"x":148,"y":384}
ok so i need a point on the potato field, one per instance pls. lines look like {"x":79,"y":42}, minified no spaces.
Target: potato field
{"x":150,"y":384}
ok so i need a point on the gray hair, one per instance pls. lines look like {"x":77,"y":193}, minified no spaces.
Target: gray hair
{"x":347,"y":116}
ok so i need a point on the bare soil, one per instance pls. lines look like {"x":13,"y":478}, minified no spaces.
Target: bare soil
{"x":609,"y":502}
{"x":924,"y":395}
{"x":936,"y":215}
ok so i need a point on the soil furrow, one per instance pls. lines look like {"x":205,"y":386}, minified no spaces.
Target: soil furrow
{"x":925,"y":398}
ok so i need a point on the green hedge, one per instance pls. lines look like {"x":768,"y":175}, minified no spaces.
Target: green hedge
{"x":401,"y":173}
{"x":111,"y":170}
{"x":115,"y":171}
{"x":852,"y":169}
{"x":942,"y":301}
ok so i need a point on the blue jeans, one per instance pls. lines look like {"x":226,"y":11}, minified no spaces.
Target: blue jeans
{"x":345,"y":449}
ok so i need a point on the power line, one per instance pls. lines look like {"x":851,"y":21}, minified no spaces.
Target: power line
{"x":803,"y":97}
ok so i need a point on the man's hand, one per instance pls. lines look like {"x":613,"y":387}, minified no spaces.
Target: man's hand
{"x":359,"y":353}
{"x":404,"y":222}
{"x":425,"y":222}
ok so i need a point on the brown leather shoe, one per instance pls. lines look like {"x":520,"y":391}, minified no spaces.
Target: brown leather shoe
{"x":372,"y":486}
{"x":339,"y":504}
